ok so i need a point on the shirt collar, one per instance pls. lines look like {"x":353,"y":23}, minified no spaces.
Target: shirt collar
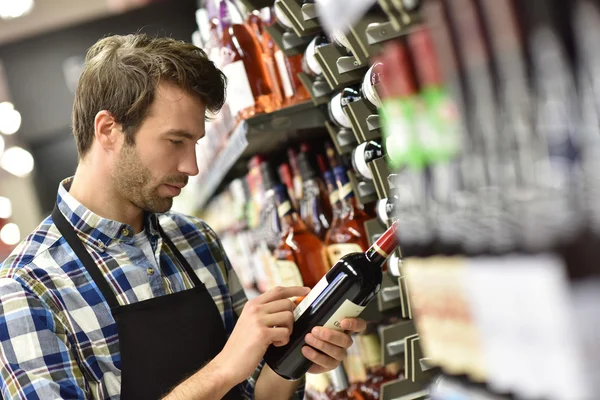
{"x":93,"y":227}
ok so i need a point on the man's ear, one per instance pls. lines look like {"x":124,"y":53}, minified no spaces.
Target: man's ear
{"x":107,"y":130}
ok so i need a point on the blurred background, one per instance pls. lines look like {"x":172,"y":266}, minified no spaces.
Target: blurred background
{"x":42,"y":46}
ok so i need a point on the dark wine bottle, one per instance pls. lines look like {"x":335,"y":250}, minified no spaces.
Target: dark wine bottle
{"x":309,"y":63}
{"x":363,"y":154}
{"x":342,"y":293}
{"x":336,"y":105}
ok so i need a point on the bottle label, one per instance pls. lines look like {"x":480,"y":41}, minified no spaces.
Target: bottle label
{"x":286,"y":81}
{"x":334,"y":197}
{"x":337,"y":251}
{"x":370,"y":348}
{"x":347,"y":310}
{"x":284,"y":208}
{"x":239,"y":92}
{"x":369,"y":91}
{"x":288,"y":273}
{"x":346,"y":190}
{"x":337,"y":112}
{"x":310,"y":298}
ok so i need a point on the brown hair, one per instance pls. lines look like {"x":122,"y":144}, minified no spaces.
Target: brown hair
{"x":121,"y":74}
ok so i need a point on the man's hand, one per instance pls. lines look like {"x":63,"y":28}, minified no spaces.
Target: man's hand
{"x":265,"y":320}
{"x":332,"y":345}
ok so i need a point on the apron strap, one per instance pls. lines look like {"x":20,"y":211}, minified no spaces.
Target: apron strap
{"x":68,"y":232}
{"x":180,"y":258}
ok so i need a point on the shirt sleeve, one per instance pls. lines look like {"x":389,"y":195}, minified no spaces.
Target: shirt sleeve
{"x":238,"y":300}
{"x":35,"y":362}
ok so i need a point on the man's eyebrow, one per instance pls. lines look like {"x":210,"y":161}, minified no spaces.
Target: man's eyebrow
{"x":180,"y":133}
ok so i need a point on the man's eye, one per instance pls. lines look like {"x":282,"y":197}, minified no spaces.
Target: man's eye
{"x":177,"y":142}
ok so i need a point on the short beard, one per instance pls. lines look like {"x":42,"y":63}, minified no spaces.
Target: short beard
{"x":133,"y":181}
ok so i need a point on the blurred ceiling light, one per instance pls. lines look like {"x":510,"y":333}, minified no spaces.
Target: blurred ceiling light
{"x":5,"y":208}
{"x":10,"y":9}
{"x":10,"y":234}
{"x":10,"y":119}
{"x":17,"y":161}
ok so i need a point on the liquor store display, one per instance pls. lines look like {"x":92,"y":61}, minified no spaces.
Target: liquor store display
{"x":464,"y":131}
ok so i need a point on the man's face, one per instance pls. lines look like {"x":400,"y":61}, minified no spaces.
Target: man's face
{"x":151,"y":172}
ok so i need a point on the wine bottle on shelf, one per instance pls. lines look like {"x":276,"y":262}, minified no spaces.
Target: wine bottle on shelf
{"x":334,"y":199}
{"x":300,"y":257}
{"x":363,"y":154}
{"x":387,"y":209}
{"x":317,"y":212}
{"x":270,"y":48}
{"x":370,"y":83}
{"x":248,"y":85}
{"x":297,"y":178}
{"x":342,"y":293}
{"x":269,"y":219}
{"x":285,"y":174}
{"x":377,"y":374}
{"x":340,"y":388}
{"x":310,"y":65}
{"x":349,"y":236}
{"x":339,"y":101}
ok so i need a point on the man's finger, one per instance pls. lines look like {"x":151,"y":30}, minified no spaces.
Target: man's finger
{"x":334,"y":337}
{"x":279,"y":336}
{"x":280,"y":292}
{"x":278,"y":306}
{"x":354,"y":324}
{"x":319,"y":358}
{"x":283,"y":319}
{"x":333,"y":351}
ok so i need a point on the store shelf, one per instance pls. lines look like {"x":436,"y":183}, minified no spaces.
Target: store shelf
{"x":363,"y":190}
{"x":262,"y":134}
{"x":303,"y":24}
{"x":319,"y":89}
{"x":360,"y":113}
{"x":343,"y":139}
{"x":404,"y":390}
{"x":392,"y":340}
{"x":381,"y":173}
{"x":327,"y":56}
{"x":290,"y":43}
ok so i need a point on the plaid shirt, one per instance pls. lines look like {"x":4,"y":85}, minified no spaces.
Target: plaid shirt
{"x":58,"y":338}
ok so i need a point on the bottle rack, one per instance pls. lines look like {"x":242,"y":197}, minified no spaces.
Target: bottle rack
{"x":290,"y":43}
{"x":302,"y":17}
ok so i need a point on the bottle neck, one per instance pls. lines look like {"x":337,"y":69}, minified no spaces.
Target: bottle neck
{"x":339,"y":380}
{"x":384,"y":246}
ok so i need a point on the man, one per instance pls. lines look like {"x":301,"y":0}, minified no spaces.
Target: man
{"x":113,"y":295}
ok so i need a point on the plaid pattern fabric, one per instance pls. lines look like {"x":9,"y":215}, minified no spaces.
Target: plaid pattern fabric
{"x":58,"y":338}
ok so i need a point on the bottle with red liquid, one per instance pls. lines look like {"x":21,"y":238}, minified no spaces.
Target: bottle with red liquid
{"x":300,"y":258}
{"x":349,"y":236}
{"x":317,"y":212}
{"x":248,"y":84}
{"x":342,"y":293}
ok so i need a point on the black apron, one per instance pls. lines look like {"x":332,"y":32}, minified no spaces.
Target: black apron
{"x":163,"y":340}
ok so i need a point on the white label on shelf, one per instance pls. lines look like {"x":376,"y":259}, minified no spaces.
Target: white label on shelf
{"x":360,"y":163}
{"x":347,"y":310}
{"x":310,"y":297}
{"x":337,"y":112}
{"x":288,"y":273}
{"x":368,"y":90}
{"x":286,"y":82}
{"x":337,"y":251}
{"x":239,"y":92}
{"x":311,"y":61}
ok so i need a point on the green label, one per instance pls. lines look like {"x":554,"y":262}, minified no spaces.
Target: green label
{"x":400,"y":132}
{"x":439,"y":127}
